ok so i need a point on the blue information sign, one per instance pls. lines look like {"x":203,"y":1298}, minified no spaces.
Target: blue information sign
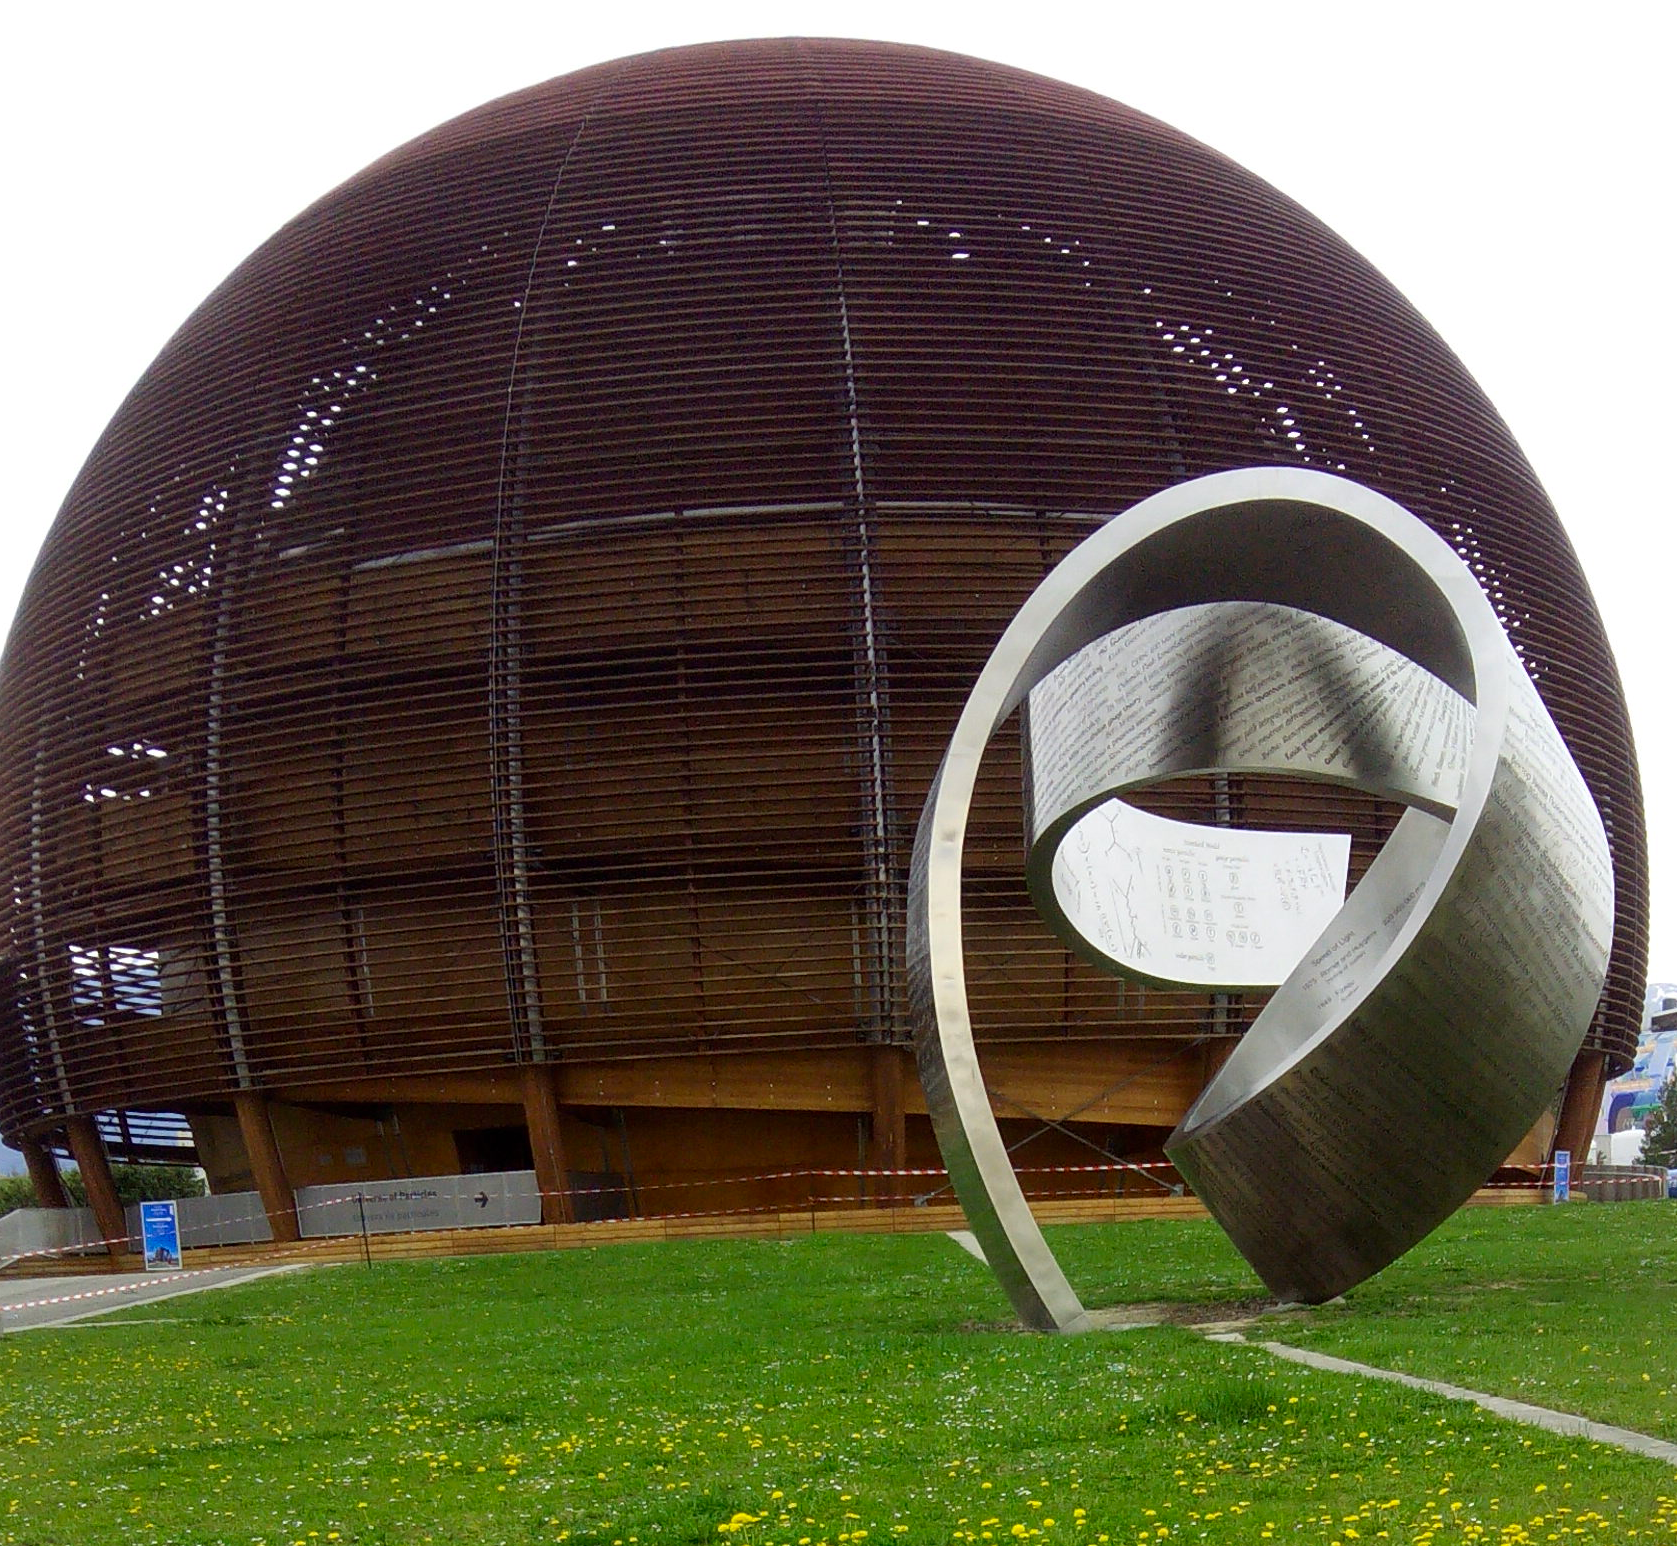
{"x":160,"y":1236}
{"x":1563,"y":1175}
{"x":1671,"y":1183}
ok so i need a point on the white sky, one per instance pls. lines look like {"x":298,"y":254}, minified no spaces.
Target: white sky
{"x":1507,"y":166}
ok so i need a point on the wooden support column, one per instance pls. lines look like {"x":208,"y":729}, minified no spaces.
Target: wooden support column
{"x":43,"y":1172}
{"x":1217,"y":1050}
{"x":95,"y":1167}
{"x":547,"y":1144}
{"x":887,"y":1072}
{"x":1581,"y":1105}
{"x":267,"y":1168}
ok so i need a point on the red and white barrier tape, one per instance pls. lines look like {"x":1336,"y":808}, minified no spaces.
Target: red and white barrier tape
{"x":812,"y":1199}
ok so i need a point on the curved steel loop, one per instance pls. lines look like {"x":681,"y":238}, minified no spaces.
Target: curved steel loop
{"x":1431,"y":1022}
{"x":1227,"y":687}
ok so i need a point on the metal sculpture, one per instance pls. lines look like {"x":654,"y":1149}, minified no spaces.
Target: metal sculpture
{"x":1433,"y":1019}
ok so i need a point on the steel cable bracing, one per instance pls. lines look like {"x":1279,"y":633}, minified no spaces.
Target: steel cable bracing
{"x":882,"y":901}
{"x":506,"y":670}
{"x":621,"y":516}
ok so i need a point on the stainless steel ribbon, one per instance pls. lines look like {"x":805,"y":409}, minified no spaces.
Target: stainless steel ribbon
{"x":1423,"y":1032}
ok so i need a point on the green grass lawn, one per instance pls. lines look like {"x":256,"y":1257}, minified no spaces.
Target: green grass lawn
{"x":833,"y":1390}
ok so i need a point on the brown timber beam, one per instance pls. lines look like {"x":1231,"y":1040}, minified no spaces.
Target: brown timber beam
{"x":95,"y":1167}
{"x":888,"y":1148}
{"x":1581,"y":1105}
{"x":267,"y":1168}
{"x":547,"y":1144}
{"x":1217,"y":1051}
{"x":1148,"y":1080}
{"x":43,"y":1173}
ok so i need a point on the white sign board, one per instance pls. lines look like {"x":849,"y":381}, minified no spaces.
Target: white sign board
{"x":1202,"y":906}
{"x":419,"y":1203}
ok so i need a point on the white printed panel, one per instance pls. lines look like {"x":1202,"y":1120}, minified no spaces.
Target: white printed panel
{"x":1213,"y":907}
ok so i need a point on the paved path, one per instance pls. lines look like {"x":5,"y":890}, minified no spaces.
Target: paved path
{"x":27,"y":1303}
{"x":1568,"y":1423}
{"x":968,"y":1242}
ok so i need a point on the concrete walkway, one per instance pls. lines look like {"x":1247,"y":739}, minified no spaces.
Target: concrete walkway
{"x":30,"y":1303}
{"x":1566,"y":1423}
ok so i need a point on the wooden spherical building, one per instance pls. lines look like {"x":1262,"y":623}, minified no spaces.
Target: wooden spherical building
{"x":474,"y":704}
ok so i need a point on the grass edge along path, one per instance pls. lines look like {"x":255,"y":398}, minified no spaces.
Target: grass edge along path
{"x":1567,"y":1423}
{"x":1562,"y":1308}
{"x":30,"y":1303}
